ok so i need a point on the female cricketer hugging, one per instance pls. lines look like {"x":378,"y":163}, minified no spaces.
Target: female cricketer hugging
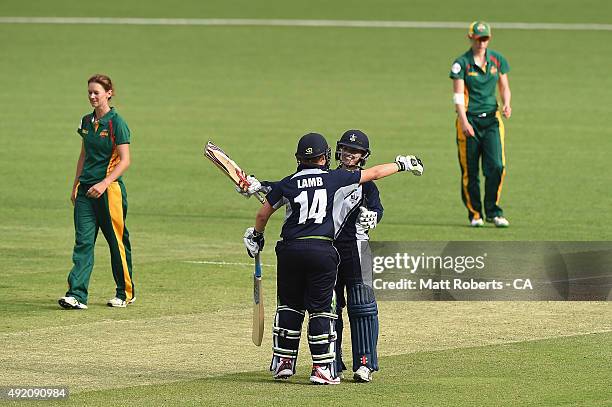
{"x":307,"y":261}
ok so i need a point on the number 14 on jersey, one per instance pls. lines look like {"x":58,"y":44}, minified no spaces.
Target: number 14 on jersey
{"x":316,"y":210}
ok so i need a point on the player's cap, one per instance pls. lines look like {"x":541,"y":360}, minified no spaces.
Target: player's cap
{"x":479,"y":29}
{"x":311,"y":145}
{"x":354,"y":139}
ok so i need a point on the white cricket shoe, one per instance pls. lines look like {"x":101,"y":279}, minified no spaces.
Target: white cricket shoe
{"x":71,"y":303}
{"x":363,"y":375}
{"x":119,"y":303}
{"x":476,"y":223}
{"x":283,"y":369}
{"x":499,"y":222}
{"x":321,"y":374}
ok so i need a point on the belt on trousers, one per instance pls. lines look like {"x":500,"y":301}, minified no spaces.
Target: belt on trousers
{"x":486,"y":114}
{"x":324,"y":238}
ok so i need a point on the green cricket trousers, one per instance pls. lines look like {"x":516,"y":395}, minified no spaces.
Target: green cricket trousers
{"x":107,"y":213}
{"x":488,"y":144}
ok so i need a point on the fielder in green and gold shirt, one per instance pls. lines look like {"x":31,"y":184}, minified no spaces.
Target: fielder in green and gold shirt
{"x":100,"y":198}
{"x":479,"y":126}
{"x":100,"y":139}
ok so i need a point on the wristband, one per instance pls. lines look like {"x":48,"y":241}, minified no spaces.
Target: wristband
{"x":459,"y":99}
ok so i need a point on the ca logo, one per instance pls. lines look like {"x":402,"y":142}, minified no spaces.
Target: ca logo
{"x":352,"y":138}
{"x":309,"y":150}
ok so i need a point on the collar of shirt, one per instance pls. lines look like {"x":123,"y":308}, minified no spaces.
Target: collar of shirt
{"x":487,"y":59}
{"x":310,"y":166}
{"x":104,"y":119}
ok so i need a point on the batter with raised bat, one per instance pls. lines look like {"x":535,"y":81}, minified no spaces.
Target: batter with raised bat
{"x":307,"y":261}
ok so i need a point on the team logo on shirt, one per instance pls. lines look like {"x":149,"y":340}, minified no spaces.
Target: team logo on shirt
{"x":104,"y":133}
{"x":493,"y":70}
{"x":472,"y":73}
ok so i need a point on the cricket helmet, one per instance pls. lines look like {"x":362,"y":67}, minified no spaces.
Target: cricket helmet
{"x":313,"y":145}
{"x":356,"y":139}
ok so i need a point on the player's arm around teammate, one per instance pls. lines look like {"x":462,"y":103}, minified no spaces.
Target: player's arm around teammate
{"x":479,"y":126}
{"x":402,"y":163}
{"x":100,"y":198}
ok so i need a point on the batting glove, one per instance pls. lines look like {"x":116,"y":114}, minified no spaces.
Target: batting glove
{"x":252,"y":189}
{"x":367,"y":219}
{"x":253,"y":241}
{"x":410,"y":163}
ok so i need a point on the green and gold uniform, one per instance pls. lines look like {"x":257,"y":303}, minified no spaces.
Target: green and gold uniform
{"x":488,"y":141}
{"x":100,"y":140}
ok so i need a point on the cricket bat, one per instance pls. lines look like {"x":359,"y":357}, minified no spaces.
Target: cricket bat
{"x":238,"y":177}
{"x":258,"y":308}
{"x":229,"y":168}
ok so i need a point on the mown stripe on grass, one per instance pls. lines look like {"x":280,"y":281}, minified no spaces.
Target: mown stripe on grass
{"x":299,"y":23}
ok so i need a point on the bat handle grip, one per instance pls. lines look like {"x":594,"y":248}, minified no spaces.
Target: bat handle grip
{"x":261,"y":197}
{"x":257,"y":266}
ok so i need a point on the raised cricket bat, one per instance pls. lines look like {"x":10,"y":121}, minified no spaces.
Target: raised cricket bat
{"x":258,"y":308}
{"x":229,"y":167}
{"x":238,"y":177}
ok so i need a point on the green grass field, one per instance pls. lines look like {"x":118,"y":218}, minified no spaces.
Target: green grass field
{"x":254,"y":91}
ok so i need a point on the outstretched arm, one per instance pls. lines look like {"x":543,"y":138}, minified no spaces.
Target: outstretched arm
{"x":378,"y":172}
{"x":402,"y":163}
